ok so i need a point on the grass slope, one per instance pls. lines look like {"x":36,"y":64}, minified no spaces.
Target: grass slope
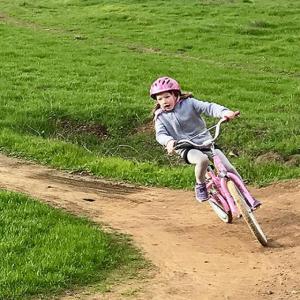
{"x":45,"y":251}
{"x":75,"y":78}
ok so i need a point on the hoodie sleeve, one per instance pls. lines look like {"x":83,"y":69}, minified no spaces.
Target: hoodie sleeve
{"x":162,"y":135}
{"x":209,"y":108}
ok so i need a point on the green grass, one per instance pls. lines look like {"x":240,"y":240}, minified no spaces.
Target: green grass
{"x":45,"y":251}
{"x":75,"y":77}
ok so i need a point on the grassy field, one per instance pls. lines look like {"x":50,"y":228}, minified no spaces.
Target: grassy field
{"x":44,"y":250}
{"x":75,"y":77}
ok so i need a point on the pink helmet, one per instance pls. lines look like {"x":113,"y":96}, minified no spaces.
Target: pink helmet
{"x":164,"y":84}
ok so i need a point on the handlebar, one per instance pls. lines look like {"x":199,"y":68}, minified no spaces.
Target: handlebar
{"x":181,"y":144}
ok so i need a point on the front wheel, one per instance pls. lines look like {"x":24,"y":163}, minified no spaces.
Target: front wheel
{"x":247,"y":213}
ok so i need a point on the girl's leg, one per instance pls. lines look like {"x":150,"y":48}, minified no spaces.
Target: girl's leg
{"x":227,"y":163}
{"x":201,"y":161}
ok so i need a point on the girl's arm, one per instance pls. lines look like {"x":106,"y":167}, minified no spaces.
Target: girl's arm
{"x":211,"y":109}
{"x":162,"y":135}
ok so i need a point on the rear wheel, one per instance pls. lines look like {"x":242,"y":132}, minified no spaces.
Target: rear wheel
{"x":247,"y":213}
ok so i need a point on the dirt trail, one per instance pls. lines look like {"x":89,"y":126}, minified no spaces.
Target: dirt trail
{"x":197,"y":256}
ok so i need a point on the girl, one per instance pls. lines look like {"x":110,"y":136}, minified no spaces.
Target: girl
{"x":178,"y":116}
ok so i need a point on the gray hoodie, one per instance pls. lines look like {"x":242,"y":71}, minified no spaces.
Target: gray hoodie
{"x":185,"y":122}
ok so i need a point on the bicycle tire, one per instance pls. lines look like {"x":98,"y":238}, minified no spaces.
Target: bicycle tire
{"x":224,"y":216}
{"x":247,"y":213}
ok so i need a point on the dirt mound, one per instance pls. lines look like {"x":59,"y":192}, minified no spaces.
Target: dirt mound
{"x":197,"y":256}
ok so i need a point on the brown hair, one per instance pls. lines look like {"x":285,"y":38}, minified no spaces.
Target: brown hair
{"x":182,"y":96}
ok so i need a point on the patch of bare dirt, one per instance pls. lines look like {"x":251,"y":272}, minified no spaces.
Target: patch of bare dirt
{"x":291,"y":161}
{"x":69,"y":127}
{"x":146,"y":128}
{"x":196,"y":255}
{"x":269,"y":157}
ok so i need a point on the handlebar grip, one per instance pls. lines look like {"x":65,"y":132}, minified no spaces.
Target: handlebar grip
{"x":236,"y":113}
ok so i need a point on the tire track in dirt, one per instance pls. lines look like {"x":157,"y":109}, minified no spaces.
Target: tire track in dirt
{"x":197,"y":256}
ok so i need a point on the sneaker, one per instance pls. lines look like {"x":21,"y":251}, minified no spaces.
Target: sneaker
{"x":201,"y":192}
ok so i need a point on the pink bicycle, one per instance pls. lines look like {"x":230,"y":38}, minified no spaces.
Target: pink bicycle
{"x":228,"y":195}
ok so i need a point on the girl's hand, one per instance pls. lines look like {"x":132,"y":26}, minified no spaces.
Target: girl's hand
{"x":170,"y":146}
{"x":229,"y":115}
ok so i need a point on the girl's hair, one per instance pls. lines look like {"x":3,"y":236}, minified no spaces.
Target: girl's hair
{"x":182,"y":96}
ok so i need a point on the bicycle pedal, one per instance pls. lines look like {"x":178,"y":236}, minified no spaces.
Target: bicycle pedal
{"x":256,"y":205}
{"x":255,"y":208}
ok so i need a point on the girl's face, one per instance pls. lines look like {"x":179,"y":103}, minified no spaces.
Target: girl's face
{"x":166,"y":100}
